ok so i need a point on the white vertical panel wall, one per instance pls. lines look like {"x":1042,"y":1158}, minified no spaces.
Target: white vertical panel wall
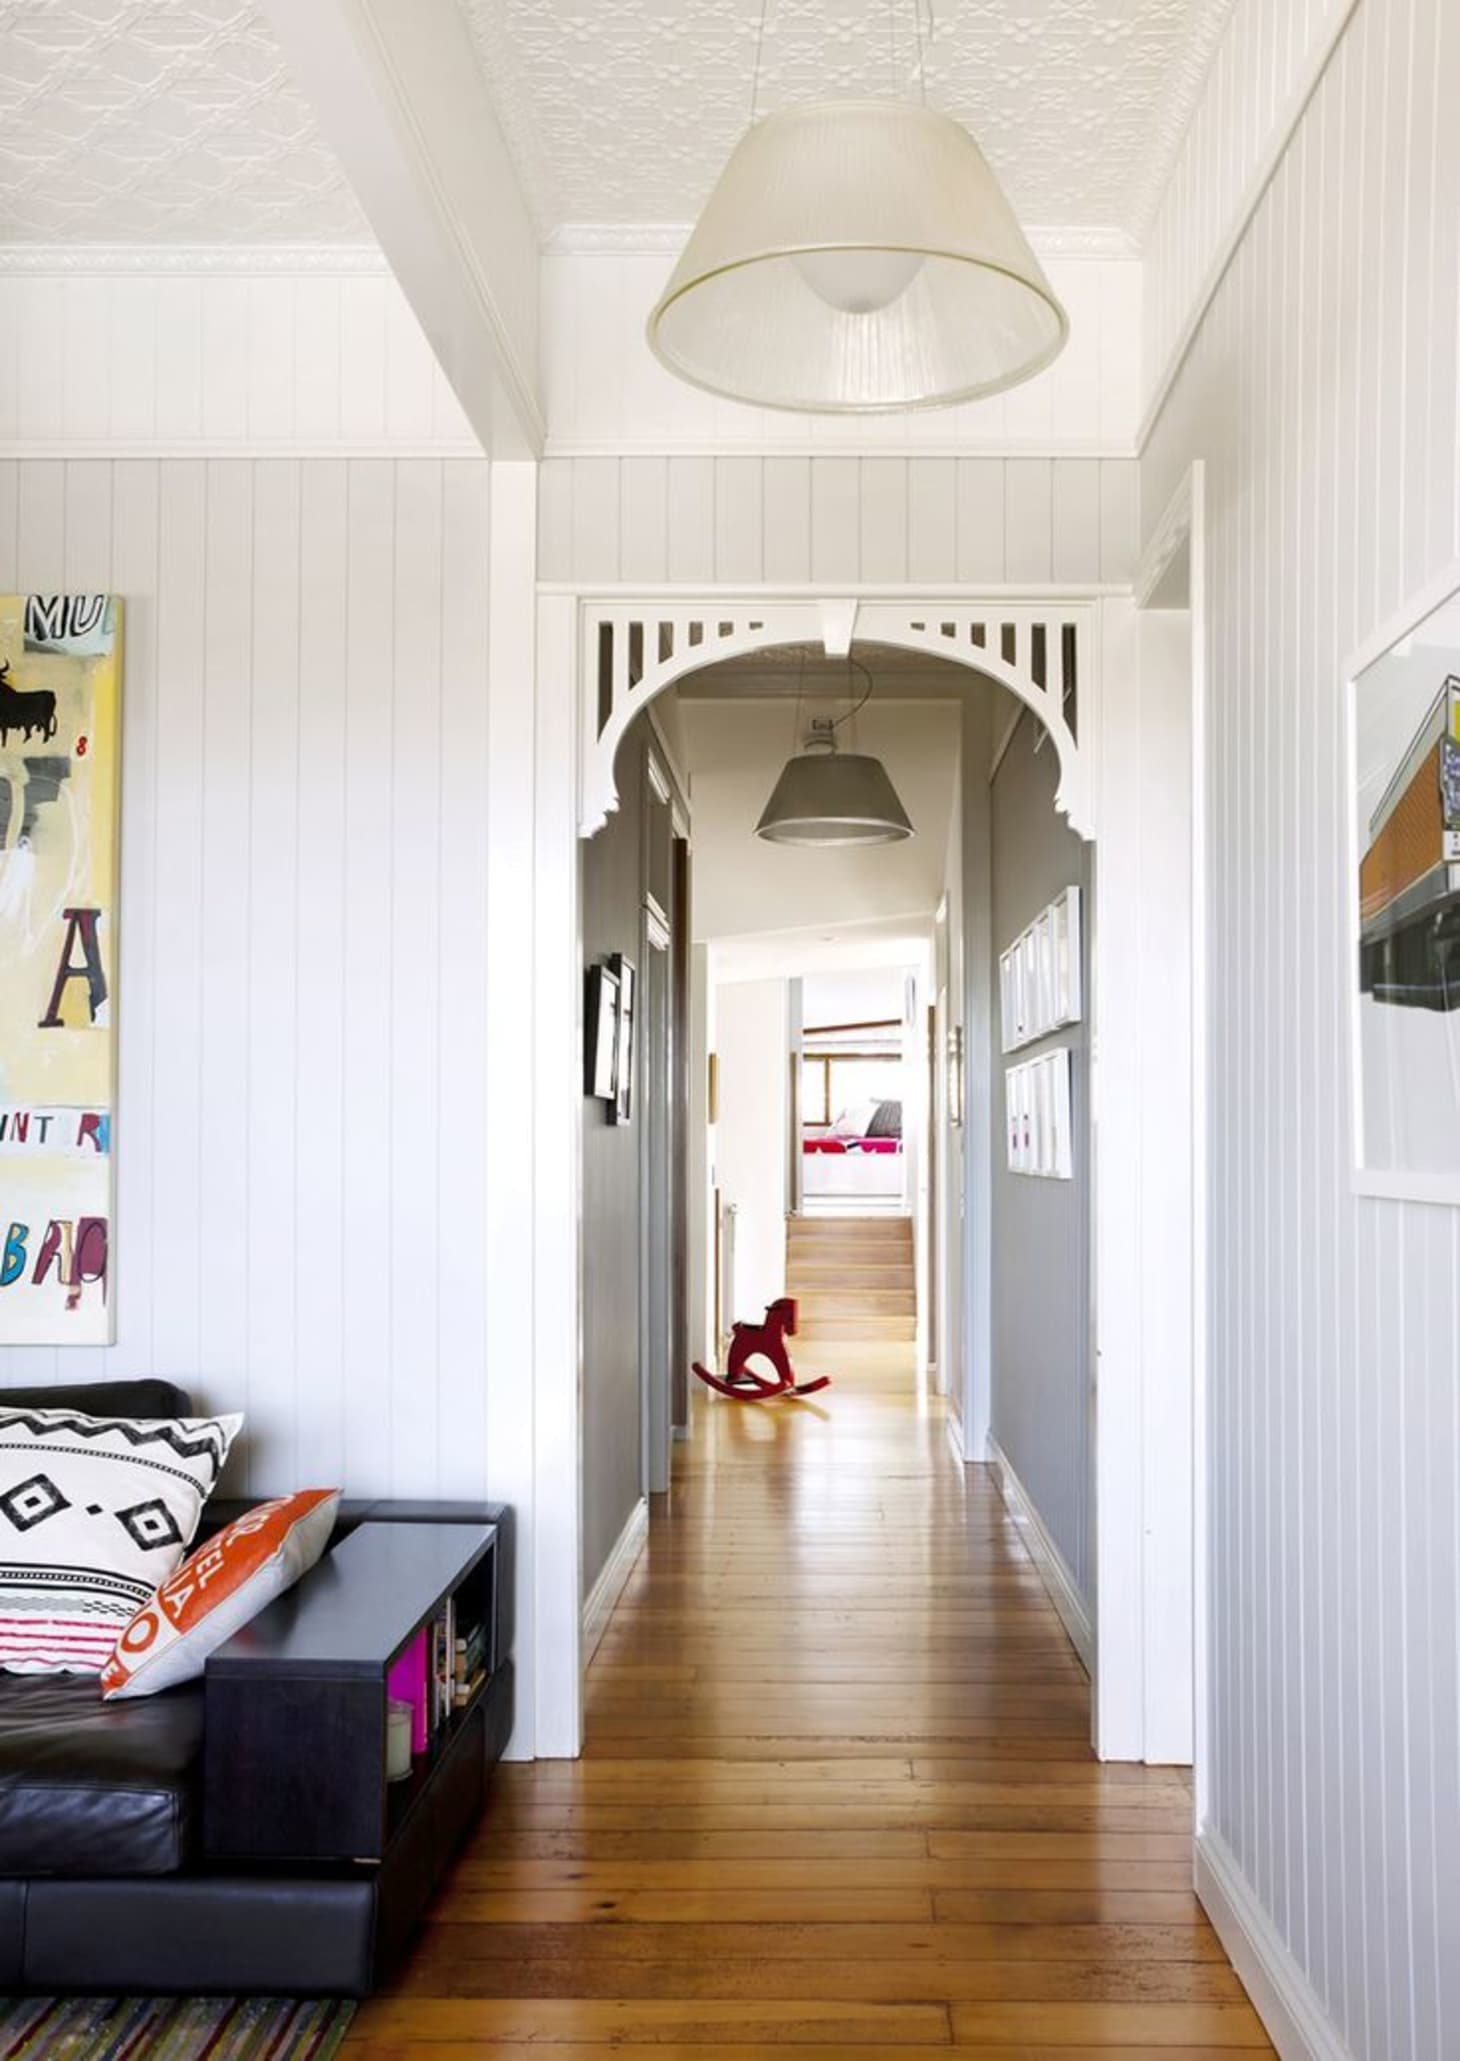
{"x":167,"y":362}
{"x":301,"y":1131}
{"x":1262,"y":69}
{"x":1015,"y":521}
{"x":1322,"y":392}
{"x":606,"y":392}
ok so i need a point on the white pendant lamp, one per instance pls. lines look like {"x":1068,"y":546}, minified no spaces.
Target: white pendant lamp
{"x":857,"y":257}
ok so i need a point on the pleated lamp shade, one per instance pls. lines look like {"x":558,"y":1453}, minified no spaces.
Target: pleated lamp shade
{"x":834,"y":798}
{"x":857,"y":257}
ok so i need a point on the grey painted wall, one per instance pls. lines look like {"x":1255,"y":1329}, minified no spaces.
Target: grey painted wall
{"x":612,"y":922}
{"x":1040,"y":1301}
{"x":630,"y":857}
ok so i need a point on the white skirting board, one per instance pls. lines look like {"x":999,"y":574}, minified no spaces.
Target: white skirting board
{"x":954,"y":1430}
{"x":1281,"y":1993}
{"x":1047,"y":1557}
{"x":599,"y":1603}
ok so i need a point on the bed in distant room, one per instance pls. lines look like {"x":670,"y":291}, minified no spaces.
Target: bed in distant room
{"x":858,"y":1157}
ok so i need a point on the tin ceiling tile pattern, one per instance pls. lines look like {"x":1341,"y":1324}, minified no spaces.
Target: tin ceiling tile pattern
{"x":624,"y":112}
{"x":157,"y":122}
{"x":175,"y":121}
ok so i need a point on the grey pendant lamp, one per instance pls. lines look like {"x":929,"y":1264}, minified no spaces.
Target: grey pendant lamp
{"x":828,"y":797}
{"x":857,"y":257}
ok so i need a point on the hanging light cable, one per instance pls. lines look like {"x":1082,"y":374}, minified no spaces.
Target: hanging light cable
{"x":830,"y":797}
{"x":857,"y":257}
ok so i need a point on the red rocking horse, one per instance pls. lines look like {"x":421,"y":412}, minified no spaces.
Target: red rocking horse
{"x":767,"y":1342}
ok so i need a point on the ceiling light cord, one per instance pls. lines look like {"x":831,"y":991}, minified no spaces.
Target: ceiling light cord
{"x":755,"y":70}
{"x":855,"y":665}
{"x":924,"y":29}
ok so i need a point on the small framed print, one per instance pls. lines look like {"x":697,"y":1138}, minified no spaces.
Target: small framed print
{"x":1039,"y":975}
{"x":622,"y":1109}
{"x":1046,"y":1010}
{"x":1403,"y":893}
{"x":600,"y":1033}
{"x":1040,"y":1139}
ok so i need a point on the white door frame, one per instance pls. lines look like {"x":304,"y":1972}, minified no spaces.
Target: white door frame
{"x":572,"y":794}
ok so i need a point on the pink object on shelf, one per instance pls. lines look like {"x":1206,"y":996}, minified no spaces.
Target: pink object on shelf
{"x":406,"y":1683}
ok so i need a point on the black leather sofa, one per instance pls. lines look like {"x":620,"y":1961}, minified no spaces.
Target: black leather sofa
{"x":107,"y":1885}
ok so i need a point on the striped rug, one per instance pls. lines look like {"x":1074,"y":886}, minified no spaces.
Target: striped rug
{"x":170,"y":2029}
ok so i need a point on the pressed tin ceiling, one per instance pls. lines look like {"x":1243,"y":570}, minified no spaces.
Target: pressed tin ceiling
{"x":159,"y":121}
{"x":623,"y":111}
{"x":175,"y":121}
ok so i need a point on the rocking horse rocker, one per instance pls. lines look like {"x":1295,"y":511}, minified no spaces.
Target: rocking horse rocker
{"x":766,"y":1342}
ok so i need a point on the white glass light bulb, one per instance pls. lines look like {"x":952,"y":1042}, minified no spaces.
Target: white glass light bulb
{"x":859,"y":282}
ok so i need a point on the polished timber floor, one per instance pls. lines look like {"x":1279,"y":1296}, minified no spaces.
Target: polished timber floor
{"x":837,"y":1797}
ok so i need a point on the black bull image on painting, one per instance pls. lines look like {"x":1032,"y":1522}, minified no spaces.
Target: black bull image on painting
{"x":32,"y":714}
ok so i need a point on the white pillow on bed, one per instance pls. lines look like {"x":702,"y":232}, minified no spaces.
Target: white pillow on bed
{"x":853,"y":1122}
{"x":94,"y":1513}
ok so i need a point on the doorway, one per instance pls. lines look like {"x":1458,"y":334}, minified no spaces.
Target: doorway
{"x":601,"y":659}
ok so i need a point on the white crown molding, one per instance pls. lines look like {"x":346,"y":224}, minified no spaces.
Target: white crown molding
{"x":260,"y":259}
{"x":630,"y":239}
{"x":837,"y":444}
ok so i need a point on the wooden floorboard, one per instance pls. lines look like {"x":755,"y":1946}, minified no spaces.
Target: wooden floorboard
{"x":837,"y":1796}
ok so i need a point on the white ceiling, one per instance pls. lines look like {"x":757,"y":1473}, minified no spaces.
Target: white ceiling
{"x":158,"y":121}
{"x":174,"y":121}
{"x":624,"y":110}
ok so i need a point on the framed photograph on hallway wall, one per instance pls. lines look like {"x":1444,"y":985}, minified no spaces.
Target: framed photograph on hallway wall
{"x":622,"y":1109}
{"x":1403,"y":893}
{"x":600,"y":1033}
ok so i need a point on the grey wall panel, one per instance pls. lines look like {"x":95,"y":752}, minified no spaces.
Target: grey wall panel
{"x":1041,"y":1228}
{"x":612,"y":1474}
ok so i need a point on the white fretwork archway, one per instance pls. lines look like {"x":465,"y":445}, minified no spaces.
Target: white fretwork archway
{"x":571,"y":669}
{"x":631,"y":651}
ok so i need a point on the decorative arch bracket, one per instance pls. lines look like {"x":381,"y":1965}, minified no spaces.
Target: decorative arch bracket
{"x":1042,"y":651}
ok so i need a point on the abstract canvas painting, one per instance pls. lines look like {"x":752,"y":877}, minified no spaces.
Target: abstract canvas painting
{"x":60,"y":717}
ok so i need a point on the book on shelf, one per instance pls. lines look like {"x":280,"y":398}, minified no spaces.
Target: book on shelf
{"x":470,"y":1653}
{"x":467,"y":1688}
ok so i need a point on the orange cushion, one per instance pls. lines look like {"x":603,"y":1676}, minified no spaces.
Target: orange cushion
{"x":217,"y":1590}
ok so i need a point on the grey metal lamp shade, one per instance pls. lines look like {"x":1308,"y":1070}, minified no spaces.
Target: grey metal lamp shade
{"x":857,"y":257}
{"x":834,"y":798}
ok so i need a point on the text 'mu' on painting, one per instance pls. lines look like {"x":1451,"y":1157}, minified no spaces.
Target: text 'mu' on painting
{"x":60,"y":726}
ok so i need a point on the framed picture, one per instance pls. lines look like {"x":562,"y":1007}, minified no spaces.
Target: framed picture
{"x":1403,"y":805}
{"x":600,"y":1033}
{"x":1039,"y":975}
{"x":60,"y":803}
{"x":622,"y":1111}
{"x":1037,"y":1116}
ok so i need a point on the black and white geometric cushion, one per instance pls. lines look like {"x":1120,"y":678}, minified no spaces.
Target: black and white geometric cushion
{"x":94,"y":1513}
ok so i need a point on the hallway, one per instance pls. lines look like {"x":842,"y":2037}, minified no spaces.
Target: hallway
{"x":836,"y":1795}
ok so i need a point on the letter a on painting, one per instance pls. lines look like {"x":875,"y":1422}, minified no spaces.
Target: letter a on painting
{"x":60,"y":717}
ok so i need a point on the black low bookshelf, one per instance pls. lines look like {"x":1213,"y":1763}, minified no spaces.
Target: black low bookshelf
{"x":296,"y":1708}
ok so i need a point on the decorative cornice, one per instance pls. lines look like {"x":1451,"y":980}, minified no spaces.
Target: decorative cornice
{"x":272,"y":259}
{"x":630,"y":239}
{"x":1174,"y":116}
